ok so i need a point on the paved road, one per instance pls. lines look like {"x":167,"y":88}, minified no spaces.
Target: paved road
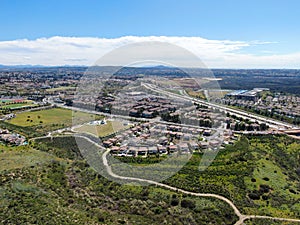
{"x":271,"y":122}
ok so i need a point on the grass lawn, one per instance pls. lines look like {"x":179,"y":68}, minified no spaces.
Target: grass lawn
{"x":18,"y":105}
{"x":23,"y":156}
{"x":102,"y":130}
{"x":50,"y":116}
{"x":6,"y":104}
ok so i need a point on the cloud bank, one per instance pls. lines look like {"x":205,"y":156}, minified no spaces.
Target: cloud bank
{"x":55,"y":51}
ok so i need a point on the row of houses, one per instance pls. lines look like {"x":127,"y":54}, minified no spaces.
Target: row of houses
{"x":144,"y":151}
{"x":148,"y":139}
{"x":158,"y":133}
{"x":182,"y":148}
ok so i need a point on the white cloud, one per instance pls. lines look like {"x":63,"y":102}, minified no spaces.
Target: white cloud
{"x":87,"y":50}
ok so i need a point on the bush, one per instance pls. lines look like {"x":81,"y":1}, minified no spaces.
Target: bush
{"x":187,"y":203}
{"x":298,"y":171}
{"x":266,"y":179}
{"x":254,"y":196}
{"x":264,"y":188}
{"x":174,"y":202}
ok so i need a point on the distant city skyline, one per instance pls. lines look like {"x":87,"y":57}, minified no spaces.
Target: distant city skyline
{"x":224,"y":34}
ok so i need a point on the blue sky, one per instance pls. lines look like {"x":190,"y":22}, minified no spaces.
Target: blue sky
{"x":272,"y":21}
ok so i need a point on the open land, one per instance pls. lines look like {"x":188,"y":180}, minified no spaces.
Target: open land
{"x":102,"y":130}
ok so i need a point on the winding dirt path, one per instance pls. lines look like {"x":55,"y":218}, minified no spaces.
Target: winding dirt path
{"x":241,"y":217}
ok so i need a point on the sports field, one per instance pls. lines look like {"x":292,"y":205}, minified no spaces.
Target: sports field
{"x":18,"y":105}
{"x":10,"y":104}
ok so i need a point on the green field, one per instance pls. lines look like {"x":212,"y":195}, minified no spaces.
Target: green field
{"x":39,"y":123}
{"x":102,"y":130}
{"x":7,"y":104}
{"x":17,"y":105}
{"x":50,"y":116}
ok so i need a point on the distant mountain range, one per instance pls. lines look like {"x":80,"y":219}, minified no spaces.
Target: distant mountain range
{"x":158,"y":67}
{"x":37,"y":66}
{"x":20,"y":66}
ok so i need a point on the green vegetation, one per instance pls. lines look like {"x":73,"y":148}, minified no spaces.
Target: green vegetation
{"x":51,"y":181}
{"x":102,"y":130}
{"x":4,"y":102}
{"x":68,"y":191}
{"x":17,"y":105}
{"x":9,"y":106}
{"x":259,"y":173}
{"x":22,"y":156}
{"x":284,"y":81}
{"x":196,"y":94}
{"x":267,"y":222}
{"x":48,"y":116}
{"x":140,"y":161}
{"x":38,"y":123}
{"x":63,"y":147}
{"x":268,"y":114}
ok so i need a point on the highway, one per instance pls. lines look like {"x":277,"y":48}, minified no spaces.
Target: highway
{"x":270,"y":122}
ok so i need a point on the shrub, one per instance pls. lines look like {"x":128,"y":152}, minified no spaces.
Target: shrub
{"x":254,"y":196}
{"x":266,"y":179}
{"x":187,"y":203}
{"x":174,"y":202}
{"x":264,"y":188}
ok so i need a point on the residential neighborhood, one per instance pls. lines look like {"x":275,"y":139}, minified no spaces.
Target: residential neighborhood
{"x":11,"y":138}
